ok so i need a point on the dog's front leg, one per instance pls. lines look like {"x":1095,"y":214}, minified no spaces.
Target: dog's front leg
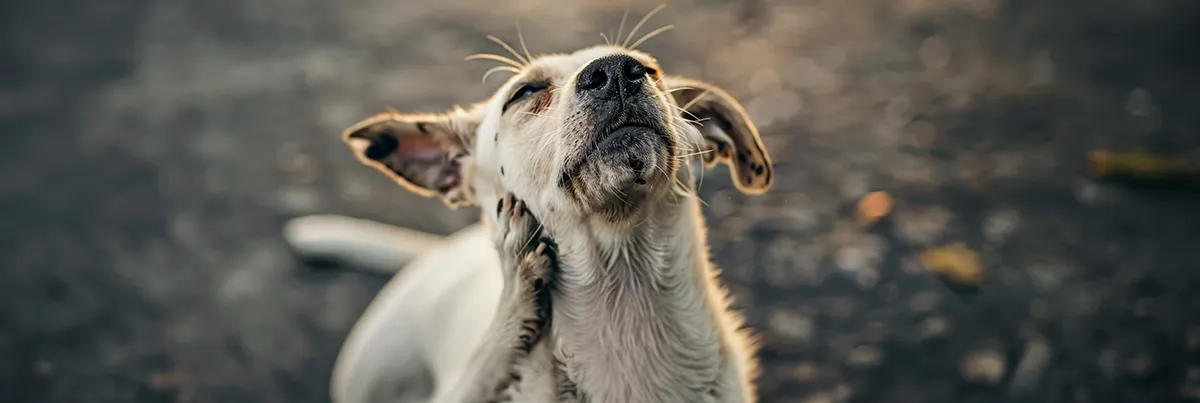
{"x":528,"y":259}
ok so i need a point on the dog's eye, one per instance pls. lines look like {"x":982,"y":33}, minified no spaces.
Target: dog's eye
{"x":524,"y":92}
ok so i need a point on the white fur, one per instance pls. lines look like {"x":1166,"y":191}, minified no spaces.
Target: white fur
{"x":638,"y":313}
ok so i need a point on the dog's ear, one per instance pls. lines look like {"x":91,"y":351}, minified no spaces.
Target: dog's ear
{"x":424,"y":153}
{"x":729,"y":135}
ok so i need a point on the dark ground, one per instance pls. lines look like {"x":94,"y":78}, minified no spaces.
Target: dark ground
{"x":151,"y":150}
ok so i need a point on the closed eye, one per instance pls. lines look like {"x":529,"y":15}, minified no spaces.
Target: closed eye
{"x":525,"y":91}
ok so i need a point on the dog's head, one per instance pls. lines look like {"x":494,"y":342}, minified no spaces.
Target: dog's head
{"x":601,"y":132}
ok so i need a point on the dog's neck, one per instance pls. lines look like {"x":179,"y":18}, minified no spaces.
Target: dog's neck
{"x":634,"y":315}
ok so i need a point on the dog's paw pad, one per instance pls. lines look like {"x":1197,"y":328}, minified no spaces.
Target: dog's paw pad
{"x":539,"y":263}
{"x":516,"y":228}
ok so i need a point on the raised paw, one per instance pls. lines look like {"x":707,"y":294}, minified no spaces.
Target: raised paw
{"x":538,"y":264}
{"x":534,"y":274}
{"x":517,"y":230}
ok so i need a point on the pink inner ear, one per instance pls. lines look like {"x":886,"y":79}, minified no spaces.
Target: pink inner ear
{"x":421,"y":148}
{"x":422,"y":161}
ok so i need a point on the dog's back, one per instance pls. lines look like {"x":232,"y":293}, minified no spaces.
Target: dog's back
{"x":425,"y":323}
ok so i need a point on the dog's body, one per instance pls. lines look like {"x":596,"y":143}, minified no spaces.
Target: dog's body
{"x":594,"y":143}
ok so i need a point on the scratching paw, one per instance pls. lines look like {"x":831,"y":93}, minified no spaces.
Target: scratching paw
{"x":537,"y":265}
{"x":516,"y":231}
{"x":523,"y":244}
{"x":530,"y":258}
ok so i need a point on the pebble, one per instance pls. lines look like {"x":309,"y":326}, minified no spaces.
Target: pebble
{"x":983,"y":367}
{"x":933,"y":327}
{"x":1033,"y":363}
{"x":792,"y":326}
{"x":865,"y":356}
{"x":1140,"y":365}
{"x":999,"y":224}
{"x":806,"y":371}
{"x":934,"y":52}
{"x":924,"y":301}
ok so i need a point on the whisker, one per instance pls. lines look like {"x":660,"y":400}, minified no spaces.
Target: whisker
{"x":695,"y":100}
{"x":495,"y":57}
{"x":660,"y":7}
{"x":521,"y":38}
{"x":685,"y":111}
{"x":651,"y":35}
{"x":535,"y":232}
{"x":508,"y":48}
{"x":685,"y":156}
{"x":621,"y":29}
{"x":695,"y":143}
{"x":532,"y":113}
{"x":509,"y":69}
{"x":606,"y":40}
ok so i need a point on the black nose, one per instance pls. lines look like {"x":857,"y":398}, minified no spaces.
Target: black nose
{"x":612,"y":77}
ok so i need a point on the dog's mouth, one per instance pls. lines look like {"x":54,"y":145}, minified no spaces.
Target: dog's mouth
{"x":621,"y":138}
{"x":619,"y":166}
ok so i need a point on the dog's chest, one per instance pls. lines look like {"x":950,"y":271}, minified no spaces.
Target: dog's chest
{"x":636,"y":341}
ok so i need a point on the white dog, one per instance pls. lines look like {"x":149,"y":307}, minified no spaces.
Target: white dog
{"x":595,"y":145}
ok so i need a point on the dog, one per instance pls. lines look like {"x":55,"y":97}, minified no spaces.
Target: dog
{"x":596,"y":145}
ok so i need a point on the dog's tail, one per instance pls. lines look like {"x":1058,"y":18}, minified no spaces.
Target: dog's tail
{"x":356,"y":243}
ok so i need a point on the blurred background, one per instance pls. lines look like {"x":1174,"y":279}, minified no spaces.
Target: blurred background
{"x":934,"y":234}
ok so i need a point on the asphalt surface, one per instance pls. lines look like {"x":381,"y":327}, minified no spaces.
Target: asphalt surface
{"x":151,"y":150}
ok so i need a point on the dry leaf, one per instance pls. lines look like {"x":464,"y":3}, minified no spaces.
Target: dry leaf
{"x":874,"y":207}
{"x":954,"y":262}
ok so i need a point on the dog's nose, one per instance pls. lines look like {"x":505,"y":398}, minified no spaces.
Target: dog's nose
{"x":610,"y":77}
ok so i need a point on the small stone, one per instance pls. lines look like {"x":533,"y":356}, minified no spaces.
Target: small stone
{"x":1193,"y":338}
{"x":933,"y":327}
{"x":820,"y":397}
{"x":1000,"y":224}
{"x":790,"y":325}
{"x":921,"y":226}
{"x":1139,"y":103}
{"x":765,"y":80}
{"x":1039,"y":310}
{"x":865,"y":356}
{"x":867,"y":278}
{"x":297,"y":199}
{"x":924,"y":301}
{"x":44,"y":367}
{"x":898,"y":111}
{"x":855,"y":185}
{"x":1041,"y":67}
{"x":1033,"y":363}
{"x":842,"y":392}
{"x":983,"y":366}
{"x":1142,"y":307}
{"x":850,"y":258}
{"x":934,"y":52}
{"x":1140,"y":365}
{"x":920,"y":134}
{"x":1107,"y":361}
{"x":806,"y":372}
{"x":876,"y":331}
{"x":165,"y":381}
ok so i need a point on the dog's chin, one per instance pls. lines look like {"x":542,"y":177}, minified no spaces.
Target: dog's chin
{"x":623,"y":173}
